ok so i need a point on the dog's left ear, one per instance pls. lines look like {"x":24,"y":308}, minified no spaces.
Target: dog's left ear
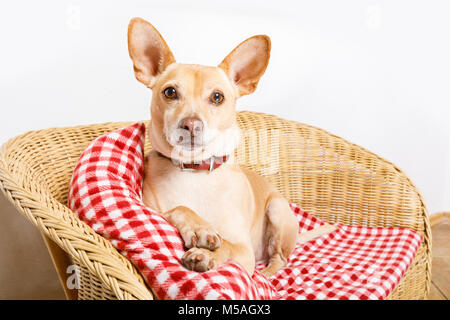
{"x":247,"y":62}
{"x":148,"y":50}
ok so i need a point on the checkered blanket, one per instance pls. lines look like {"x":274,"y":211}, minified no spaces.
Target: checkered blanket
{"x":349,"y":263}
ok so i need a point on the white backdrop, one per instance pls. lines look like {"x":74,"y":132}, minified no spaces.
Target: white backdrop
{"x":374,"y":72}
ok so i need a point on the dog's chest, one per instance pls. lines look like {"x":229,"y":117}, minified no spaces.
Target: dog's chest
{"x":222,"y":197}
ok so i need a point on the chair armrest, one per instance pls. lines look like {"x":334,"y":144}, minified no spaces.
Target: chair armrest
{"x":34,"y":177}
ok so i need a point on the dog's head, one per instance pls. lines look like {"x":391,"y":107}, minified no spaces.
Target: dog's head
{"x":193,"y":114}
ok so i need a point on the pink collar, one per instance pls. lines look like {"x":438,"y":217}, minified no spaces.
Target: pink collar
{"x":208,"y":164}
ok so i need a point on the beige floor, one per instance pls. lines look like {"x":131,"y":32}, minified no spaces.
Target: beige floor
{"x":440,"y":272}
{"x":26,"y":269}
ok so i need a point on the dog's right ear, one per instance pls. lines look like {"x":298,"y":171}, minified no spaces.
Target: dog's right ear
{"x":148,"y":50}
{"x":246,"y":64}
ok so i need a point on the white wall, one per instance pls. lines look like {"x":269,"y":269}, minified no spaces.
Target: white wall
{"x":374,"y":72}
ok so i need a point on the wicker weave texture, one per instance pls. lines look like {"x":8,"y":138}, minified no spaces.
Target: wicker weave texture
{"x":327,"y":176}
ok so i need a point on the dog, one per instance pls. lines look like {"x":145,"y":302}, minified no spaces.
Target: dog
{"x":222,"y":211}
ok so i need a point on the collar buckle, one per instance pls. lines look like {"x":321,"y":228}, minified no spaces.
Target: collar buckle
{"x":211,"y":163}
{"x":183,"y":168}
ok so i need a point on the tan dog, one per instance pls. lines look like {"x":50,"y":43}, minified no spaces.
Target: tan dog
{"x":222,"y":211}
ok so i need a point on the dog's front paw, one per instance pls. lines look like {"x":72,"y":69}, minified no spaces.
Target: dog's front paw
{"x":201,"y":237}
{"x":199,"y":259}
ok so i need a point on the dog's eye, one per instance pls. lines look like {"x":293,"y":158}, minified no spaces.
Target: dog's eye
{"x":217,"y":97}
{"x":170,"y":93}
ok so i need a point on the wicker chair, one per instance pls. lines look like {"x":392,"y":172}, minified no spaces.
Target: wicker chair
{"x":327,"y":176}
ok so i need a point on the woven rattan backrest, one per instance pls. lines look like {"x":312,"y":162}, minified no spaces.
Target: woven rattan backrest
{"x":328,"y":176}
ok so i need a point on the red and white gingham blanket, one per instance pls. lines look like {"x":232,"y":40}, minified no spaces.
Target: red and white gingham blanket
{"x":349,"y":263}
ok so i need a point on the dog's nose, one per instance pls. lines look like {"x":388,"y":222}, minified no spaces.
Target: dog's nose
{"x":193,"y":125}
